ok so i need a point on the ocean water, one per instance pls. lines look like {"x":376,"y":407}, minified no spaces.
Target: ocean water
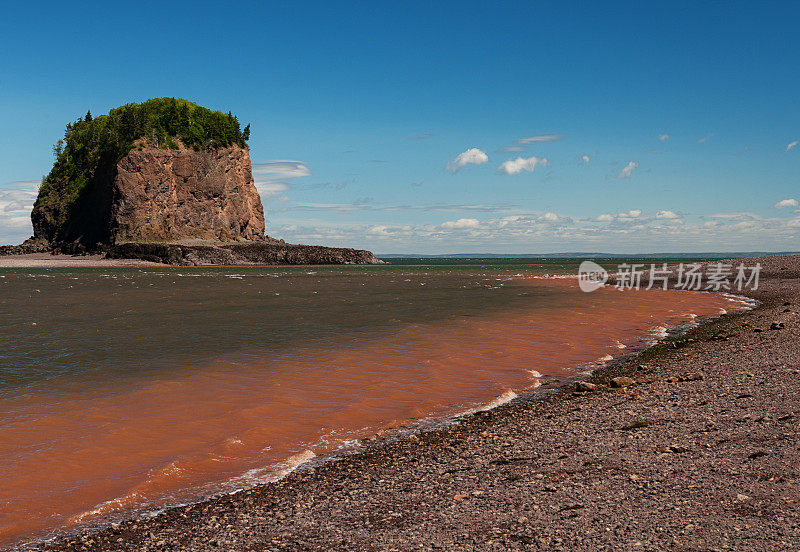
{"x":124,"y":391}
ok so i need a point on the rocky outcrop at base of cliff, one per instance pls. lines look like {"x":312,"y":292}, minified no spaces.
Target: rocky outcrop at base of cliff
{"x":30,"y":246}
{"x":273,"y":253}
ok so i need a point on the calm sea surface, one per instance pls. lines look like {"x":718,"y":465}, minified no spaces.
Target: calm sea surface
{"x":127,"y":390}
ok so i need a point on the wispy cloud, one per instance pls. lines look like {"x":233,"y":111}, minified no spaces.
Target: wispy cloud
{"x":587,"y":157}
{"x":522,"y":144}
{"x":706,"y":138}
{"x":785,"y":203}
{"x":516,"y":166}
{"x":422,"y":136}
{"x":472,"y":156}
{"x":735,"y":216}
{"x":791,"y":145}
{"x":362,"y":205}
{"x":628,"y":170}
{"x":663,"y":137}
{"x":541,"y":138}
{"x":513,"y":148}
{"x":271,"y":177}
{"x":667,"y":215}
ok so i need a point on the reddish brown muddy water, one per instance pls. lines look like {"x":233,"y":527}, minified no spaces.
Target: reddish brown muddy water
{"x":127,"y":391}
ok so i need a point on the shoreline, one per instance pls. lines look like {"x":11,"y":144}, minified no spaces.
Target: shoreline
{"x":385,"y":475}
{"x":46,"y":260}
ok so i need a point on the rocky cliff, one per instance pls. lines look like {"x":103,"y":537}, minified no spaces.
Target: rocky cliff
{"x":162,"y":195}
{"x":177,"y":195}
{"x":164,"y":180}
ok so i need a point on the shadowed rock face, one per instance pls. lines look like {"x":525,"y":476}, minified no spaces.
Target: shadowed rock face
{"x":162,"y":195}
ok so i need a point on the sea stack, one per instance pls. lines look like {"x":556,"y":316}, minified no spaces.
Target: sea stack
{"x":164,"y":180}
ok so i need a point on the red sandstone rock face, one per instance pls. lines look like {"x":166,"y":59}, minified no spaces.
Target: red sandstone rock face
{"x":179,"y":195}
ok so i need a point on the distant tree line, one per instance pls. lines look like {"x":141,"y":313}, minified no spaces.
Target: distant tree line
{"x":157,"y":123}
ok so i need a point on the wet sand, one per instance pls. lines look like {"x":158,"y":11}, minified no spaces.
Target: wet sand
{"x":701,"y":452}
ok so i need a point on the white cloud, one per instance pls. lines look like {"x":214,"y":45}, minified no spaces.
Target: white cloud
{"x":663,"y":137}
{"x":632,"y":214}
{"x":790,"y":145}
{"x":461,"y":223}
{"x":379,"y":230}
{"x":472,"y":156}
{"x":516,"y":166}
{"x":784,"y":203}
{"x":550,"y":217}
{"x":270,"y":177}
{"x":16,"y":203}
{"x":626,"y":216}
{"x":705,"y":138}
{"x":667,"y":215}
{"x":628,"y":170}
{"x":586,"y":158}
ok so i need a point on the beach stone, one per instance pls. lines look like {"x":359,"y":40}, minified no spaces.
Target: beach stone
{"x":776,"y":326}
{"x":585,"y":386}
{"x":621,"y":381}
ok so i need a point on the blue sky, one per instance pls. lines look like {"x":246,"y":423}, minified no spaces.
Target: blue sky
{"x":686,"y":116}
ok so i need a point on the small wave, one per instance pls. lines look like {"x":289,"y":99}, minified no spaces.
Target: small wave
{"x":555,"y":277}
{"x":507,"y":396}
{"x":660,"y":332}
{"x":604,"y":359}
{"x":620,"y":345}
{"x":535,"y":373}
{"x":107,"y":507}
